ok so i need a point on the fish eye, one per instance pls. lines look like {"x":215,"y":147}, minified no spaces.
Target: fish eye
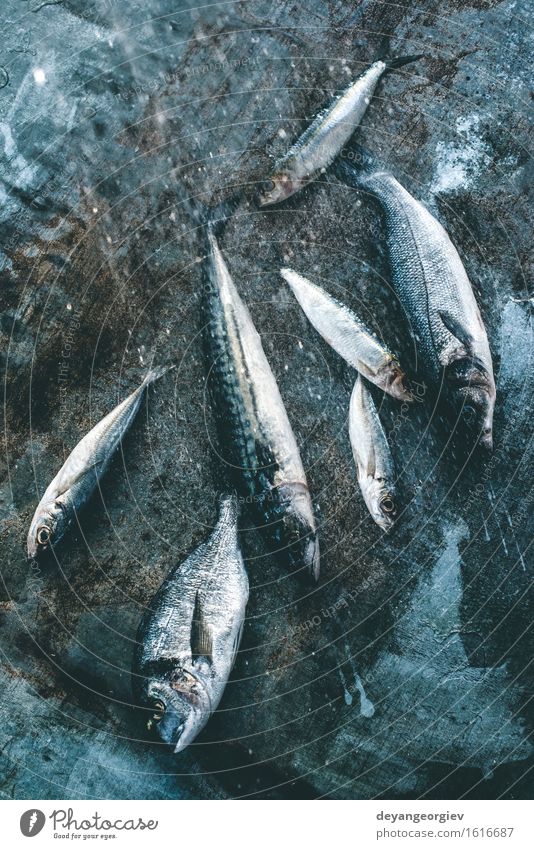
{"x":387,"y":504}
{"x":43,"y":535}
{"x":268,"y":186}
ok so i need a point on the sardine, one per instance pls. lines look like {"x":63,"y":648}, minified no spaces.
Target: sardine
{"x":372,"y":455}
{"x":189,"y":636}
{"x":256,"y":439}
{"x":82,"y":470}
{"x":432,"y":284}
{"x":347,"y":335}
{"x":319,"y":145}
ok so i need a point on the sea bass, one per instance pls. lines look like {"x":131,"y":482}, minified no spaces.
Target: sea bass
{"x":347,"y":335}
{"x":256,"y":439}
{"x":372,"y":455}
{"x":82,"y":470}
{"x":432,"y":284}
{"x":319,"y":145}
{"x":189,"y":636}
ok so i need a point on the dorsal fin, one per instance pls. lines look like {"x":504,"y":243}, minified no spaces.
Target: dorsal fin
{"x":201,"y":638}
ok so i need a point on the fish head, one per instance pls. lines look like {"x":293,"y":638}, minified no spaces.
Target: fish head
{"x":473,"y":394}
{"x":392,"y":380}
{"x":47,"y":527}
{"x":381,"y":500}
{"x":181,"y":707}
{"x":277,"y":188}
{"x":476,"y":415}
{"x":297,"y":530}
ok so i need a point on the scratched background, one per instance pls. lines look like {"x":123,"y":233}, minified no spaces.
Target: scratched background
{"x":406,"y":673}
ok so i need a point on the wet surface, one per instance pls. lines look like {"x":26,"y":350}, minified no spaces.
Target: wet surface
{"x":406,"y":672}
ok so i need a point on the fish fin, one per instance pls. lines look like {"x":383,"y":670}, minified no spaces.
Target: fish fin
{"x":383,"y":50}
{"x":201,"y":637}
{"x":216,"y":217}
{"x":235,"y":647}
{"x":455,"y":328}
{"x":392,"y":63}
{"x":155,"y":374}
{"x":361,"y":395}
{"x":70,"y":480}
{"x":395,"y":63}
{"x":371,"y":466}
{"x":354,"y":164}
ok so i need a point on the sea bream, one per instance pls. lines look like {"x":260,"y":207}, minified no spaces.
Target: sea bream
{"x":190,"y":633}
{"x":256,"y":439}
{"x":434,"y":289}
{"x":82,"y":470}
{"x":346,"y":334}
{"x":326,"y":136}
{"x":372,"y":455}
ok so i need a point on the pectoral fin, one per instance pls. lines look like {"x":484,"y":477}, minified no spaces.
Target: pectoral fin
{"x":201,"y":636}
{"x":235,"y":647}
{"x":68,"y":480}
{"x":458,"y":331}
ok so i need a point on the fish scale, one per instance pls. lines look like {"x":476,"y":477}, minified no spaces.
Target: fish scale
{"x":216,"y":571}
{"x":207,"y":592}
{"x":80,"y":474}
{"x":256,"y":440}
{"x":434,"y":289}
{"x":326,"y":136}
{"x":429,"y":277}
{"x":372,"y":455}
{"x":334,"y":125}
{"x":347,"y":335}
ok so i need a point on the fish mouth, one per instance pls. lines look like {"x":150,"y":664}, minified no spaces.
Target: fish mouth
{"x":279,"y":188}
{"x":394,"y":382}
{"x":385,"y":523}
{"x":486,"y":441}
{"x":177,"y":718}
{"x":265,"y":201}
{"x":181,"y":744}
{"x":32,"y":552}
{"x":35,"y":550}
{"x":190,"y":726}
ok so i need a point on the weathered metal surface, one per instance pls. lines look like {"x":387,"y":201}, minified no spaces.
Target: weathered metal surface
{"x":405,"y":672}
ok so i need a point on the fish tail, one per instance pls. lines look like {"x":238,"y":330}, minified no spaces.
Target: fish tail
{"x":216,"y":217}
{"x":155,"y":374}
{"x":394,"y":64}
{"x":354,"y":164}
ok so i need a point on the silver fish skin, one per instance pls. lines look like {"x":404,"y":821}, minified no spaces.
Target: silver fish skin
{"x":372,"y":455}
{"x":326,"y":136}
{"x":79,"y":476}
{"x":433,"y":286}
{"x":346,"y":334}
{"x":189,"y":636}
{"x":257,"y":441}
